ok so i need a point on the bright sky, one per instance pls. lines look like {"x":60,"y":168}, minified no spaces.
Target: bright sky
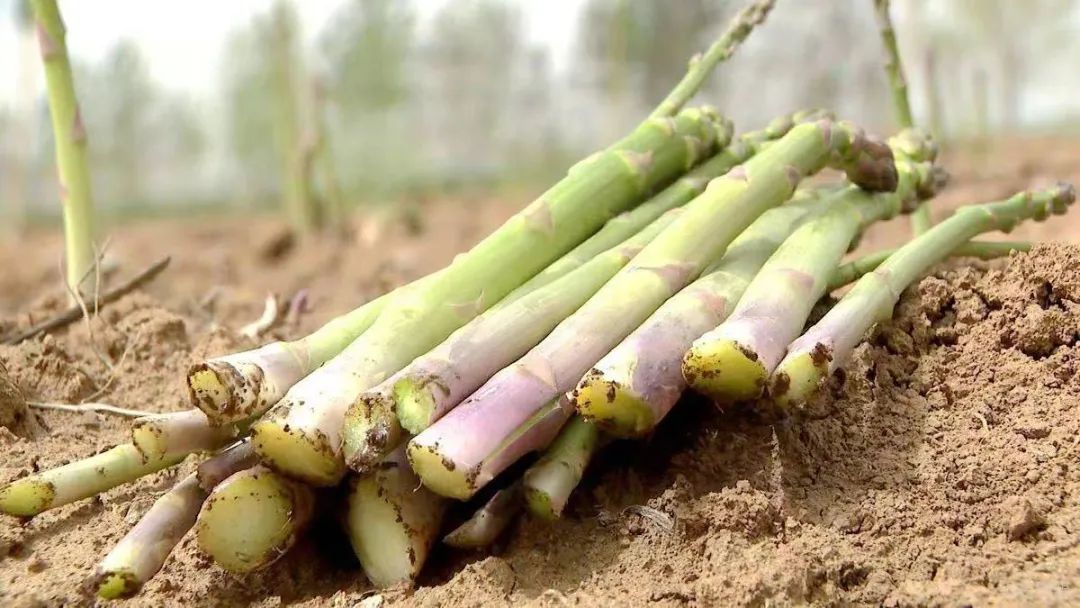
{"x":183,"y":41}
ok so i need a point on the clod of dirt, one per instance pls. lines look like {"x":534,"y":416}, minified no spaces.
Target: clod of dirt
{"x":15,"y":416}
{"x":1024,"y":518}
{"x":45,"y":369}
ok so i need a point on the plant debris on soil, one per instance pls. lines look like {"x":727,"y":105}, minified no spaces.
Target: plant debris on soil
{"x":942,"y":470}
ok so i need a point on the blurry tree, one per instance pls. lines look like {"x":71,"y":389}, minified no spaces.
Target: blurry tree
{"x":123,"y":105}
{"x":21,"y":126}
{"x":472,"y":63}
{"x":367,"y":47}
{"x":247,"y":87}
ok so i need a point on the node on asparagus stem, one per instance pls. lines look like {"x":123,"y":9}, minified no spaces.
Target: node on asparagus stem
{"x":73,"y":173}
{"x":253,"y":518}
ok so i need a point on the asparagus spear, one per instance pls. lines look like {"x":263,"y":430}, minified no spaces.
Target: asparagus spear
{"x":252,"y":518}
{"x":302,"y":435}
{"x":490,"y":521}
{"x":733,"y":361}
{"x":635,"y":385}
{"x":179,"y":433}
{"x":987,"y":250}
{"x":703,"y":63}
{"x":241,"y":385}
{"x":392,"y":521}
{"x":549,"y":482}
{"x":519,"y":409}
{"x":237,"y":457}
{"x":436,"y":382}
{"x":827,"y":345}
{"x":894,"y":72}
{"x":69,"y":133}
{"x":141,"y":553}
{"x":84,"y":478}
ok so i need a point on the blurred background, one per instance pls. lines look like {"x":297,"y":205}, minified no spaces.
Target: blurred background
{"x":199,"y":106}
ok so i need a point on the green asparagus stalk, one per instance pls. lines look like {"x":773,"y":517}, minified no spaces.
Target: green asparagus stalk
{"x":894,"y":71}
{"x":703,"y":63}
{"x":490,"y":521}
{"x":84,"y":478}
{"x":392,"y":521}
{"x":733,"y":361}
{"x":549,"y":483}
{"x":302,"y":435}
{"x":179,"y":434}
{"x":434,"y":383}
{"x":252,"y":518}
{"x":76,"y":194}
{"x":519,"y":409}
{"x":141,"y":553}
{"x":826,"y":346}
{"x":635,"y":385}
{"x":987,"y":250}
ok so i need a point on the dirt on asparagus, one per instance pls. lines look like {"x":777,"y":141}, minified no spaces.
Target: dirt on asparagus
{"x":943,"y":470}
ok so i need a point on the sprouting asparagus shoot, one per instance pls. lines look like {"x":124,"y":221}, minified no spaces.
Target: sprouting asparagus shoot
{"x":392,"y":521}
{"x":69,"y":133}
{"x":84,"y":478}
{"x":550,"y":481}
{"x":827,"y":345}
{"x":253,"y":518}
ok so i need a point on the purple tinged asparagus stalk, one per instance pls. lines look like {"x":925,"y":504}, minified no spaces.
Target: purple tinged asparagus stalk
{"x":392,"y":521}
{"x":550,"y":481}
{"x":522,"y":407}
{"x":733,"y":361}
{"x":489,"y":521}
{"x":302,"y":435}
{"x":826,"y":346}
{"x":142,"y":552}
{"x":630,"y":390}
{"x":180,"y":433}
{"x":252,"y":518}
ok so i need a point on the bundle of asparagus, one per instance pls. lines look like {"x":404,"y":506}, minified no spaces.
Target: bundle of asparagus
{"x":677,"y":257}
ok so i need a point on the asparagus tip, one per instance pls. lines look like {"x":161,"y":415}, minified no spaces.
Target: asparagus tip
{"x":26,"y":497}
{"x":612,"y":406}
{"x":725,"y":371}
{"x":295,"y":454}
{"x":439,"y":474}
